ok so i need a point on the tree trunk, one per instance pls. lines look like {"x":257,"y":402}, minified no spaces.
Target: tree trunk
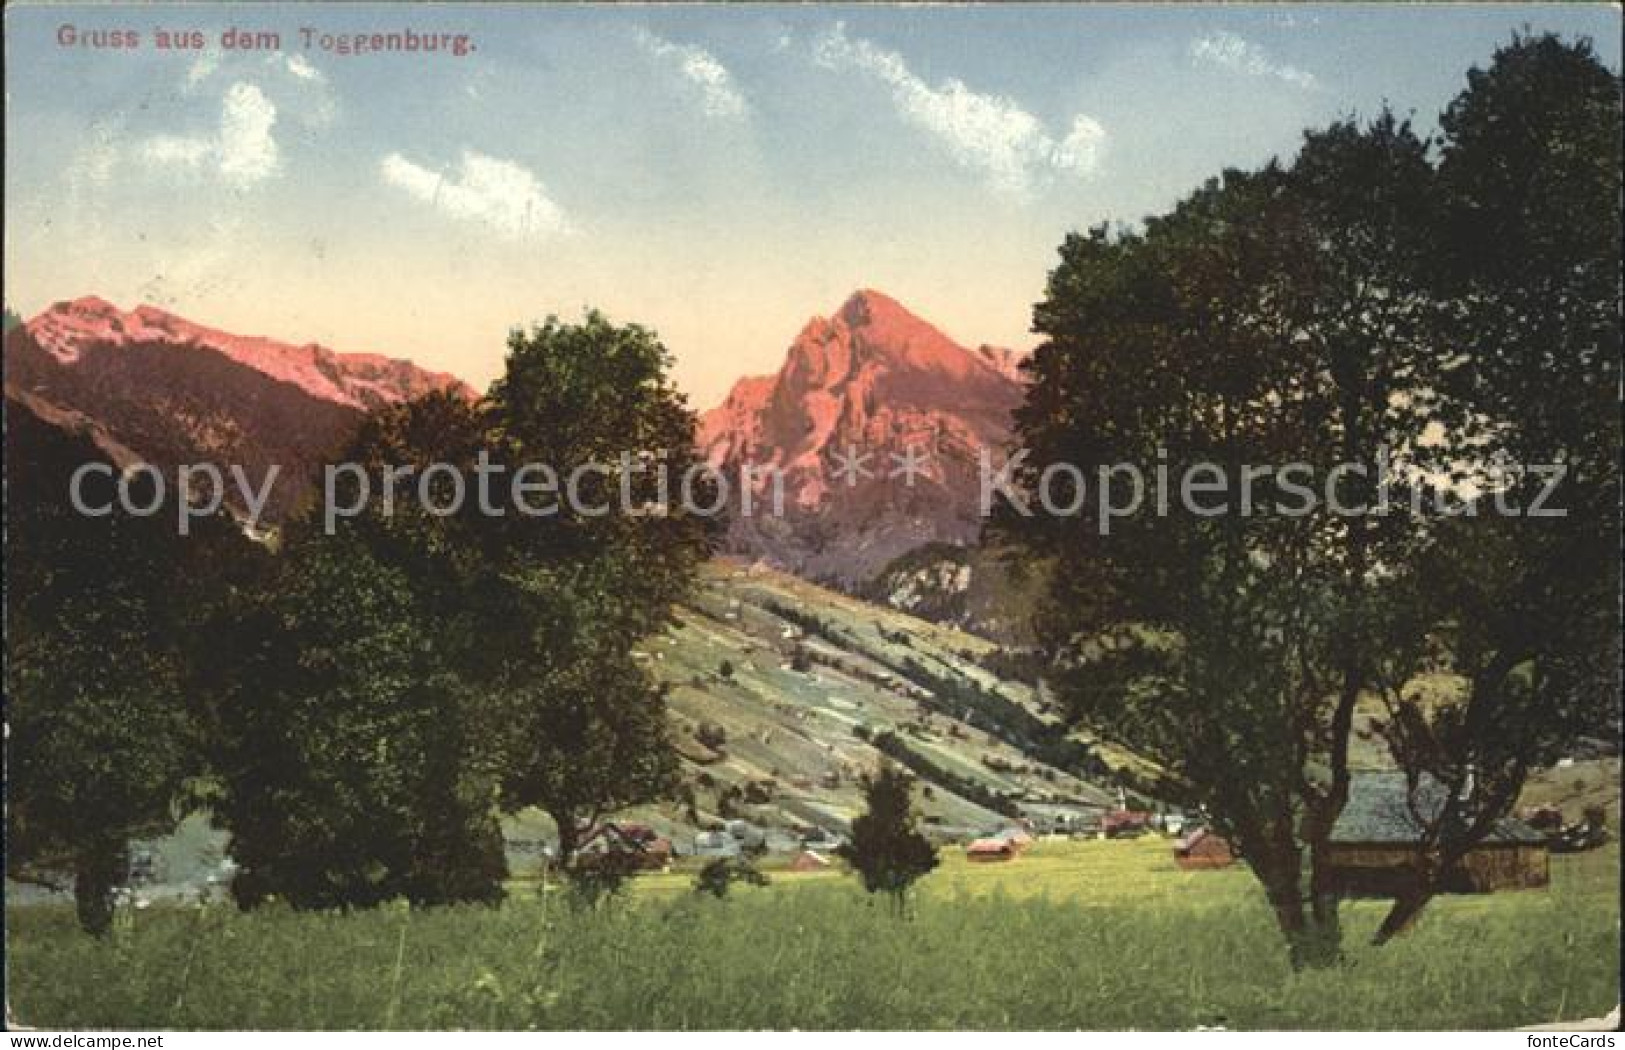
{"x":1323,"y":897}
{"x":569,"y":838}
{"x":1408,"y":905}
{"x":1313,"y":935}
{"x":98,"y":869}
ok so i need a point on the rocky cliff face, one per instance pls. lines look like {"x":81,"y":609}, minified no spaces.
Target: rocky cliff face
{"x":149,"y":385}
{"x":878,"y":388}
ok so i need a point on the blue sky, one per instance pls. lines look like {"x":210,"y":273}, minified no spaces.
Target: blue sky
{"x":718,"y":174}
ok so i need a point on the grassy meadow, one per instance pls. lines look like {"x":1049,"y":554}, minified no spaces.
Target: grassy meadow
{"x":1074,"y":935}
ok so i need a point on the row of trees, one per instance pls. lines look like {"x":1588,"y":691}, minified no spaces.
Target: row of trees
{"x":355,"y":706}
{"x":1453,"y":304}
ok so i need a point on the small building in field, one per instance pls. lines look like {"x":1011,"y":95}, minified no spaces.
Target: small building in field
{"x":1020,"y":838}
{"x":1125,"y":823}
{"x":715,"y":844}
{"x":635,"y":847}
{"x":1203,"y":849}
{"x":807,"y":860}
{"x":1052,"y":818}
{"x":1375,"y":840}
{"x":988,"y":851}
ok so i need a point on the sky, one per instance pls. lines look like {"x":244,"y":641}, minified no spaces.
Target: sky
{"x":719,"y":175}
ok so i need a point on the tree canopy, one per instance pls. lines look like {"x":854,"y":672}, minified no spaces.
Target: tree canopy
{"x":1339,"y":341}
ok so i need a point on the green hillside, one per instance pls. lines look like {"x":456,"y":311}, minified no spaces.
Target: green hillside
{"x":784,"y":693}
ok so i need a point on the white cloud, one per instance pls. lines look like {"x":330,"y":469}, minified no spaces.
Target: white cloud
{"x":310,"y":100}
{"x":718,"y":94}
{"x":1229,"y":51}
{"x":1080,"y":150}
{"x":247,"y":151}
{"x":203,"y":68}
{"x":988,"y":133}
{"x":93,"y":164}
{"x":499,"y":194}
{"x":179,"y":150}
{"x":242,"y":151}
{"x":300,"y":67}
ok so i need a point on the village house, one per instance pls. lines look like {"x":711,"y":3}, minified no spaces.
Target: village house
{"x":1020,"y":838}
{"x":807,"y":860}
{"x":821,"y":840}
{"x":638,"y":844}
{"x":1125,"y":823}
{"x":1203,"y":849}
{"x":1061,"y":819}
{"x":987,"y":851}
{"x":715,"y":844}
{"x":1376,"y":837}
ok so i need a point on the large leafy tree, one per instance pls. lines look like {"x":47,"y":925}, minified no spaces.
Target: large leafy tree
{"x":351,"y":747}
{"x":486,"y":661}
{"x":1268,"y":320}
{"x":104,"y":740}
{"x":540,"y":599}
{"x":342,"y":742}
{"x":1526,"y":604}
{"x":588,"y":733}
{"x":1334,"y":314}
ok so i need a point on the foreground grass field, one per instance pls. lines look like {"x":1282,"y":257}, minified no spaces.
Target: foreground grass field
{"x":1074,"y":935}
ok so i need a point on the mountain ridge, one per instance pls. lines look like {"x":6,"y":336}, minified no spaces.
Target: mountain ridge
{"x":150,"y":385}
{"x":871,"y":379}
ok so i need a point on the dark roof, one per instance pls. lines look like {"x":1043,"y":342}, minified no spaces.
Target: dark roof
{"x":1380,"y":812}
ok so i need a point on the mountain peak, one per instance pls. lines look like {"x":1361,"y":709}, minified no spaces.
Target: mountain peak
{"x":872,"y":376}
{"x":867,"y":306}
{"x":873,"y":332}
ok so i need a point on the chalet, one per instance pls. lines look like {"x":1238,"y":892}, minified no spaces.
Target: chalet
{"x":745,"y":835}
{"x":1020,"y":838}
{"x":1125,"y":823}
{"x":807,"y":860}
{"x":1203,"y":849}
{"x":988,"y":851}
{"x":715,"y":844}
{"x":638,"y":845}
{"x":1375,"y":840}
{"x":1061,"y":819}
{"x":821,"y":840}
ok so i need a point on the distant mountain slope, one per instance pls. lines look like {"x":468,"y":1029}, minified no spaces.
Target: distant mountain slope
{"x":150,"y":385}
{"x":877,"y":381}
{"x":784,"y":692}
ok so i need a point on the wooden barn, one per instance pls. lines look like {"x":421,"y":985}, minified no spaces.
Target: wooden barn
{"x":1125,"y":823}
{"x":1375,"y":840}
{"x":1020,"y":838}
{"x":633,"y":847}
{"x":1203,"y":849}
{"x":990,"y":851}
{"x":807,"y":860}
